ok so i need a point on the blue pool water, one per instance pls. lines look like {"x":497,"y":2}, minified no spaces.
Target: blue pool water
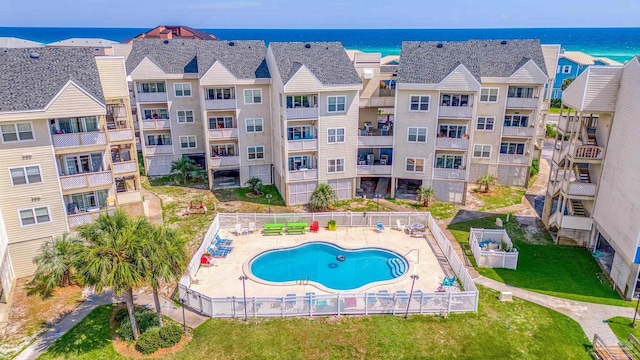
{"x":318,"y":261}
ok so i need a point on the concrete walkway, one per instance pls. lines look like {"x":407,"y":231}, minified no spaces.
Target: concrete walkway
{"x":169,"y":309}
{"x":152,"y":206}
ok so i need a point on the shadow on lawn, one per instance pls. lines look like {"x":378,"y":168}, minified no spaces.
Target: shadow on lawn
{"x":76,"y":342}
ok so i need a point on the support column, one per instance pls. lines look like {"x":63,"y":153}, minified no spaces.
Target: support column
{"x":393,"y":186}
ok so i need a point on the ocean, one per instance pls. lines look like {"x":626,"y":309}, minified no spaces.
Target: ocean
{"x":616,"y":43}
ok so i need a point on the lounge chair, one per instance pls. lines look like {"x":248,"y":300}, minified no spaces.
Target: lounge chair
{"x":252,"y":227}
{"x":218,"y":253}
{"x":240,"y":230}
{"x":379,"y":227}
{"x":223,"y":248}
{"x":449,"y":280}
{"x":220,"y":241}
{"x":400,"y":226}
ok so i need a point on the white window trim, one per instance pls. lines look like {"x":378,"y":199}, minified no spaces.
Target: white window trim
{"x":193,"y":116}
{"x":473,"y":151}
{"x":336,"y":136}
{"x":489,"y":95}
{"x":256,"y":158}
{"x":244,"y":97}
{"x":24,"y":168}
{"x":183,"y":95}
{"x":485,"y":123}
{"x":336,"y":111}
{"x":426,"y":136}
{"x":568,"y":69}
{"x":246,"y":125}
{"x":188,"y":147}
{"x":424,"y":164}
{"x":15,"y":125}
{"x":412,"y":95}
{"x":33,"y":211}
{"x":344,"y":165}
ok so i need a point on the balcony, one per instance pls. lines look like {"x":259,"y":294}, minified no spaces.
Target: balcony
{"x":518,"y":131}
{"x":586,"y":152}
{"x":309,"y":174}
{"x":225,"y":161}
{"x":151,"y":97}
{"x":129,"y":197}
{"x":455,"y":112}
{"x":567,"y":126}
{"x":158,"y":149}
{"x":452,"y":143}
{"x":513,"y":159}
{"x":157,"y":124}
{"x":374,"y":170}
{"x":228,"y":133}
{"x":220,"y":104}
{"x":302,"y":145}
{"x":576,"y":188}
{"x":302,"y":113}
{"x":62,"y":141}
{"x":124,"y":167}
{"x":522,"y":103}
{"x":120,"y":135}
{"x":449,"y":174}
{"x":576,"y":222}
{"x":85,"y":180}
{"x":76,"y":220}
{"x":375,"y":140}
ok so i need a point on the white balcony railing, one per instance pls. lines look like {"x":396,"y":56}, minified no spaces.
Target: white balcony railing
{"x":61,"y":141}
{"x":452,"y":143}
{"x":377,"y":102}
{"x":158,"y":149}
{"x":451,"y":174}
{"x":224,"y":104}
{"x":577,"y":188}
{"x":375,"y":140}
{"x":76,"y":220}
{"x":225,"y":161}
{"x":566,"y":125}
{"x":455,"y":112}
{"x":156,"y":124}
{"x":129,"y":197}
{"x":586,"y":152}
{"x":124,"y":167}
{"x":374,"y":170}
{"x":309,"y":174}
{"x":298,"y":145}
{"x":120,"y":135}
{"x":518,"y":131}
{"x":576,"y":222}
{"x":85,"y":180}
{"x":513,"y":159}
{"x":302,"y":113}
{"x":152,"y":97}
{"x":230,"y":133}
{"x":522,"y":103}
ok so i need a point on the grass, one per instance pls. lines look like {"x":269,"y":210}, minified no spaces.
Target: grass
{"x":500,"y":330}
{"x":240,"y":194}
{"x":554,"y":110}
{"x":566,"y":272}
{"x":439,"y":210}
{"x":358,"y":205}
{"x":621,"y":326}
{"x":499,"y":197}
{"x":532,"y":180}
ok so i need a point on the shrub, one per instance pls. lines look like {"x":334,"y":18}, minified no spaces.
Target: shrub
{"x":332,"y":225}
{"x":556,"y":103}
{"x":170,"y":334}
{"x":551,"y":131}
{"x":255,"y":184}
{"x":535,"y":167}
{"x":149,"y":341}
{"x":146,"y":319}
{"x":121,"y":315}
{"x":322,"y":197}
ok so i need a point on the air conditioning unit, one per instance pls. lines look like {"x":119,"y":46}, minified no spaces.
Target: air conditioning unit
{"x":367,"y":73}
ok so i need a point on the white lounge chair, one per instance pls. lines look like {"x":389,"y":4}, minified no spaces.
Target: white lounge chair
{"x":252,"y":227}
{"x":400,"y":226}
{"x":240,"y":230}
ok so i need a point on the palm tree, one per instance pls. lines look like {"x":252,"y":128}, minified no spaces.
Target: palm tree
{"x":426,"y":194}
{"x":54,"y":265}
{"x":185,"y":169}
{"x":566,"y":82}
{"x":322,"y":197}
{"x":167,"y":256}
{"x":485,"y":181}
{"x":113,"y":256}
{"x":255,"y":184}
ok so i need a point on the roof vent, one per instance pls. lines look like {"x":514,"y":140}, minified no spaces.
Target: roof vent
{"x":231,"y":43}
{"x":439,"y":46}
{"x":34,"y":55}
{"x":166,"y":41}
{"x":308,"y":46}
{"x":503,"y":42}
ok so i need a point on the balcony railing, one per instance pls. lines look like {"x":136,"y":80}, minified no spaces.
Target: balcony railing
{"x":377,"y":102}
{"x":124,"y":167}
{"x":76,"y":220}
{"x":129,"y":197}
{"x":452,"y":143}
{"x":156,"y":124}
{"x":302,"y":113}
{"x":513,"y":159}
{"x":229,"y":133}
{"x":120,"y":135}
{"x":152,"y":97}
{"x":61,"y":141}
{"x":576,"y":222}
{"x":85,"y":180}
{"x":309,"y":174}
{"x":522,"y":103}
{"x":158,"y":149}
{"x":565,"y":125}
{"x":587,"y":152}
{"x":463,"y":112}
{"x":225,"y":161}
{"x":518,"y":131}
{"x":387,"y":92}
{"x":375,"y":140}
{"x":450,"y":174}
{"x":223,"y":104}
{"x":299,"y":145}
{"x":374,"y":169}
{"x":577,"y":188}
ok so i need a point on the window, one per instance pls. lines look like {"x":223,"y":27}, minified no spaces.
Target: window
{"x":223,"y":150}
{"x":335,"y":135}
{"x":566,"y":69}
{"x":254,"y":125}
{"x":485,"y":123}
{"x":182,"y":90}
{"x":302,"y":101}
{"x":220,"y":94}
{"x":520,"y":92}
{"x":16,"y":132}
{"x":449,"y":162}
{"x":159,"y":139}
{"x":153,"y":114}
{"x":414,"y":165}
{"x":253,"y":96}
{"x":74,"y":125}
{"x":336,"y":104}
{"x":558,"y":69}
{"x":155,"y":87}
{"x":221,"y":122}
{"x":83,"y":163}
{"x":335,"y":165}
{"x":302,"y":132}
{"x":482,"y":151}
{"x":452,"y":131}
{"x":86,"y":201}
{"x":416,"y":134}
{"x":185,"y":116}
{"x":255,"y":152}
{"x":299,"y":162}
{"x":34,"y":216}
{"x":419,"y":103}
{"x":25,"y":175}
{"x":489,"y":95}
{"x":188,"y":142}
{"x":512,"y":148}
{"x":516,"y":120}
{"x":454,"y":100}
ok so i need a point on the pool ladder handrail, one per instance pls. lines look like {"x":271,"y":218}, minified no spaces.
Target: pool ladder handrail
{"x":412,"y":250}
{"x":301,"y":281}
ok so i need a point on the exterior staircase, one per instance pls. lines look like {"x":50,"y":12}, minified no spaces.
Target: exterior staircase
{"x":583,"y":174}
{"x":577,"y":208}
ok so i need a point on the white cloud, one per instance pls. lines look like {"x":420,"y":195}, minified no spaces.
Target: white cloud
{"x":224,"y":5}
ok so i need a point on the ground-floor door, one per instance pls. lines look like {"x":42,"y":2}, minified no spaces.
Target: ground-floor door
{"x":300,"y":193}
{"x":226,"y":178}
{"x":343,"y":188}
{"x":262,"y":172}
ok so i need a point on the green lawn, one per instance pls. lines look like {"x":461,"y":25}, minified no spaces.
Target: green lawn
{"x":510,"y":330}
{"x":240,"y":194}
{"x":554,"y":110}
{"x":499,"y":197}
{"x":439,"y":210}
{"x":358,"y":205}
{"x":622,"y":328}
{"x":566,"y":272}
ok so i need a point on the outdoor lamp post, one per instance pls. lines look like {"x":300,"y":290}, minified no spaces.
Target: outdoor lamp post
{"x":184,"y":321}
{"x":414,"y":277}
{"x":268,"y":196}
{"x":244,"y":294}
{"x":635,"y":313}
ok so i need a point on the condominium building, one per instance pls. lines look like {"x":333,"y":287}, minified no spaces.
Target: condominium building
{"x":593,"y":193}
{"x":67,"y":147}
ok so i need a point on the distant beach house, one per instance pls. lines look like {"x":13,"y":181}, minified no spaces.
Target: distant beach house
{"x":173,"y":32}
{"x":571,"y":64}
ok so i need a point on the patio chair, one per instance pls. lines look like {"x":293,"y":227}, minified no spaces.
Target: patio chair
{"x":379,"y":227}
{"x":204,"y":261}
{"x":240,"y":230}
{"x":220,"y":241}
{"x":224,"y":248}
{"x":400,"y":226}
{"x":449,"y":280}
{"x":315,"y":227}
{"x":218,"y":253}
{"x":252,"y":227}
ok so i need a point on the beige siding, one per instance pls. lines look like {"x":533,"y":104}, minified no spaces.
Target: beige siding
{"x":460,"y":80}
{"x":22,"y":254}
{"x":493,"y":138}
{"x":217,"y":75}
{"x":276,"y":125}
{"x":184,"y":129}
{"x":112,"y":76}
{"x":248,"y":111}
{"x":530,"y":73}
{"x":303,"y":82}
{"x":147,"y":70}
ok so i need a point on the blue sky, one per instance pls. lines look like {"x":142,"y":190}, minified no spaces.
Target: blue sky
{"x":371,"y":14}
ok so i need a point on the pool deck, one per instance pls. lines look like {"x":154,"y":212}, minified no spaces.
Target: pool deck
{"x":222,"y":279}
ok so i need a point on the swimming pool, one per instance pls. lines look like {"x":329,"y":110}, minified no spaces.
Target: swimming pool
{"x":329,"y":265}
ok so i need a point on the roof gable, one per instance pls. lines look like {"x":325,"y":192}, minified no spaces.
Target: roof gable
{"x":218,"y":74}
{"x":529,"y":73}
{"x":147,"y":69}
{"x":73,"y":100}
{"x":243,"y":59}
{"x":303,"y":80}
{"x":172,"y":56}
{"x":460,"y":79}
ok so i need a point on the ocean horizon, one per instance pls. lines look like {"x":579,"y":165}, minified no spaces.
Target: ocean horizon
{"x":619,"y":44}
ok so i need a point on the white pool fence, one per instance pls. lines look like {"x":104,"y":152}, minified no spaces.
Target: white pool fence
{"x":496,"y":258}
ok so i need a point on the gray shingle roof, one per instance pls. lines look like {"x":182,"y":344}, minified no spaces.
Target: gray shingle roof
{"x":425,"y":63}
{"x":245,"y":59}
{"x":172,"y":56}
{"x":328,"y":61}
{"x":30,"y":84}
